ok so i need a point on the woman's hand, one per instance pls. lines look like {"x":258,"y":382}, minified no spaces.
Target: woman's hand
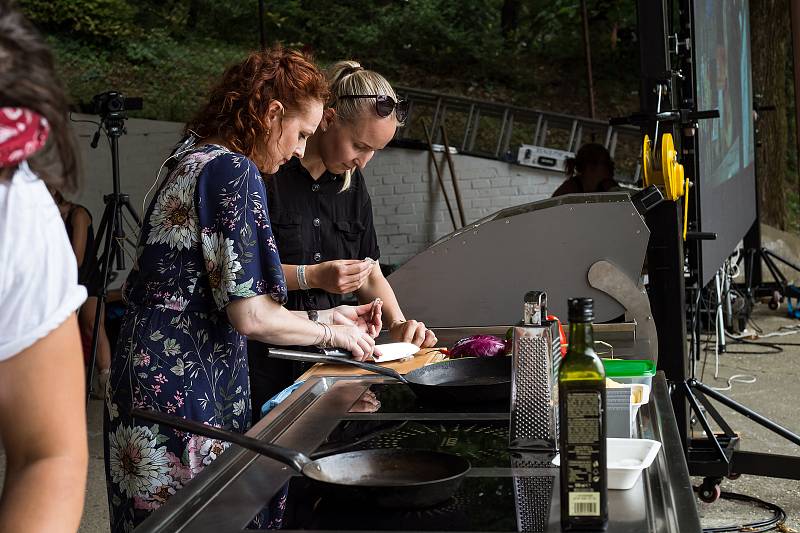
{"x":412,"y":331}
{"x":366,"y":317}
{"x":352,"y":339}
{"x":368,"y":403}
{"x":341,"y":276}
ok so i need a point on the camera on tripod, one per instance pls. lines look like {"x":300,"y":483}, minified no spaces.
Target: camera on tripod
{"x":113,"y":103}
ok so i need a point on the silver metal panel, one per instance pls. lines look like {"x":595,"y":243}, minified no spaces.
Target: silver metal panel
{"x":632,"y":295}
{"x":235,"y":487}
{"x":478,"y":275}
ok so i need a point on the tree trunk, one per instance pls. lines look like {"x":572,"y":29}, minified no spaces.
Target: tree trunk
{"x":509,"y":17}
{"x":770,"y":31}
{"x":191,"y":19}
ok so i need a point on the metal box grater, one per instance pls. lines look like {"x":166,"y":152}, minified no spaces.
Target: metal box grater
{"x":534,"y":497}
{"x":536,"y":351}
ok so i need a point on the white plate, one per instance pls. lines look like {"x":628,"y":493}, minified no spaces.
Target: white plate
{"x":626,"y":458}
{"x":395,"y":350}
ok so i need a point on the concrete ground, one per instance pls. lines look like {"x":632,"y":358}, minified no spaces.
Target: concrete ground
{"x":774,"y":395}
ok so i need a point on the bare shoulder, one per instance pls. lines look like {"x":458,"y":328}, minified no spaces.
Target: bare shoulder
{"x":80,"y":216}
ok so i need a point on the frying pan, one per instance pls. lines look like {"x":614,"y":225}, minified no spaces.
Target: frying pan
{"x":468,"y":380}
{"x":388,"y":478}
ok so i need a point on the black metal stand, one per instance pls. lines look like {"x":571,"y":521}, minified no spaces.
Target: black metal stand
{"x":755,"y":287}
{"x":111,"y":233}
{"x":717,"y":456}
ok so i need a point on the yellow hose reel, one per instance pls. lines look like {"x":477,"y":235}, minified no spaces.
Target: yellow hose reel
{"x":663,"y":170}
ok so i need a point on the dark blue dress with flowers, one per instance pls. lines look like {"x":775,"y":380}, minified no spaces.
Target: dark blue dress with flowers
{"x":206,"y":241}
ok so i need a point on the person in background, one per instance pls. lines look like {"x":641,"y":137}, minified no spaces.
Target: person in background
{"x":322,"y":217}
{"x":42,"y":409}
{"x":591,"y":170}
{"x":78,"y":222}
{"x":207,"y":275}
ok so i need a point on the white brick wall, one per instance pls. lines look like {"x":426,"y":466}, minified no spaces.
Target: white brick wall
{"x":410,"y":211}
{"x":408,"y":206}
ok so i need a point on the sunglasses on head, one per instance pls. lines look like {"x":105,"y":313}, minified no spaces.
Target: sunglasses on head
{"x":384,"y":105}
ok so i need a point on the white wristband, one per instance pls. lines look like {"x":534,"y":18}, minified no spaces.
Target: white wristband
{"x":301,"y":277}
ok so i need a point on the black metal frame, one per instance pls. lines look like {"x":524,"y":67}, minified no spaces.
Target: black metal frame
{"x":754,"y":286}
{"x":717,"y":455}
{"x":665,"y":249}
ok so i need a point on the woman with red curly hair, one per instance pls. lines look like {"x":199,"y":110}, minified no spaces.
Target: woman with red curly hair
{"x":207,"y":274}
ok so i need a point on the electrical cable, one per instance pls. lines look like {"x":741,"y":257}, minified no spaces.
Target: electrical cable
{"x":778,"y":518}
{"x":736,"y":378}
{"x":778,"y":333}
{"x":83,"y":120}
{"x":189,"y":143}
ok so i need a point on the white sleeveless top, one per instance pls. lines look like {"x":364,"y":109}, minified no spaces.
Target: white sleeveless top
{"x":38,"y":270}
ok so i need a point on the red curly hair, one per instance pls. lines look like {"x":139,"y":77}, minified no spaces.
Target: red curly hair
{"x":237,"y":107}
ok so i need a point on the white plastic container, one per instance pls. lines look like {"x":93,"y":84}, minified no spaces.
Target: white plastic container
{"x":626,"y":460}
{"x":645,"y":397}
{"x":619,"y":414}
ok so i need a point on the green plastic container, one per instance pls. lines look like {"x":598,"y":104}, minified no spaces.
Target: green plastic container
{"x":630,"y":370}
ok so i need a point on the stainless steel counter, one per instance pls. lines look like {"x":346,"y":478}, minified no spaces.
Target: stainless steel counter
{"x":233,"y":489}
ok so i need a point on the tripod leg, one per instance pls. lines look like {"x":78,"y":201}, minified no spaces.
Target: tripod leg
{"x":772,"y":255}
{"x":749,"y":269}
{"x":93,"y":255}
{"x":711,"y":410}
{"x":687,"y":390}
{"x":752,"y":415}
{"x":105,"y":270}
{"x":131,"y":211}
{"x":777,"y":275}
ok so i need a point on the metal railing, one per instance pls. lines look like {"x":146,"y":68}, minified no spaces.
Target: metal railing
{"x":491,"y":129}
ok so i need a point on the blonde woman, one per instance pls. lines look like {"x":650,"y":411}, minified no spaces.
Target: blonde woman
{"x":322,"y":216}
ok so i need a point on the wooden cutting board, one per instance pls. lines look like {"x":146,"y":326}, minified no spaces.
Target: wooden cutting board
{"x":423,"y":357}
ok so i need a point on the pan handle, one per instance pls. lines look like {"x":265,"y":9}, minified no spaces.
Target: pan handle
{"x":292,"y":458}
{"x":318,"y":358}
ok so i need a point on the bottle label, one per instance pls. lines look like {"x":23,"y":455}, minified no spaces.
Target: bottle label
{"x":584,"y":411}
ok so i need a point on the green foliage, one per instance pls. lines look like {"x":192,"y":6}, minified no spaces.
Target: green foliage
{"x":168,"y":51}
{"x":93,"y":20}
{"x":173,"y":77}
{"x":435,"y":34}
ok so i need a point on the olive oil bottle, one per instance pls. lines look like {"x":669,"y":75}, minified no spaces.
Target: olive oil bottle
{"x":582,"y":418}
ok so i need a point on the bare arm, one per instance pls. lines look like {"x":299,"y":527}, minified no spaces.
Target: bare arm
{"x":43,"y":424}
{"x":400,"y":329}
{"x":377,"y":286}
{"x":80,"y":224}
{"x":290,"y":273}
{"x":340,"y":276}
{"x":263,"y":319}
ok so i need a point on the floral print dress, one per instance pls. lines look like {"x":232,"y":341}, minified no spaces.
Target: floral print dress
{"x":206,"y":241}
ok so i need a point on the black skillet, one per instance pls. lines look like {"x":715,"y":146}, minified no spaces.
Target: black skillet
{"x":390,"y":478}
{"x":468,"y":380}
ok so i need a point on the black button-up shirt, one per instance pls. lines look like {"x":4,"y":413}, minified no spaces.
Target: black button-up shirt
{"x":314,"y":222}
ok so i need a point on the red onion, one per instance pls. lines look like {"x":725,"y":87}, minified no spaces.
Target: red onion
{"x":479,"y":346}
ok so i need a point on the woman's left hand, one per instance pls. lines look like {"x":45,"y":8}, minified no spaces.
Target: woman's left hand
{"x":366,"y":317}
{"x":413,"y":332}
